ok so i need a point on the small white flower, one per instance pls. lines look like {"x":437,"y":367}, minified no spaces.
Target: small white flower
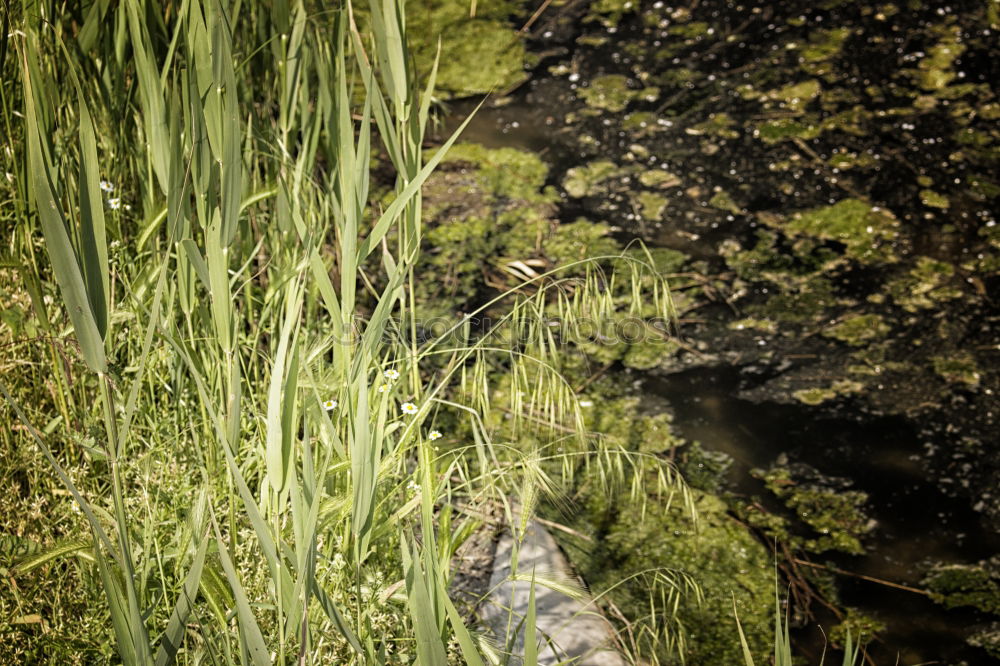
{"x":114,"y":203}
{"x":586,"y":403}
{"x":434,"y":434}
{"x":408,"y":408}
{"x":330,"y":405}
{"x":413,"y":486}
{"x":107,"y":187}
{"x":391,"y":374}
{"x":383,"y":388}
{"x":338,"y":561}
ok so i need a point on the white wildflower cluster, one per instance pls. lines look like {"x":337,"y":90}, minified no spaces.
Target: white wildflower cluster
{"x":114,"y":203}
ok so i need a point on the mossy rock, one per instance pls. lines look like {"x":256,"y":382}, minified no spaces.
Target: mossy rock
{"x":727,"y":563}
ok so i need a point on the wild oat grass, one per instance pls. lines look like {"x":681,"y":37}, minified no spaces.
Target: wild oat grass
{"x":211,"y":349}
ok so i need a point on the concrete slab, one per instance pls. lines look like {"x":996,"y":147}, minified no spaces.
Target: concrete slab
{"x":570,"y":631}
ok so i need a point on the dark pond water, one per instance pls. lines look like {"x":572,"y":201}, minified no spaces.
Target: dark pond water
{"x":916,"y":522}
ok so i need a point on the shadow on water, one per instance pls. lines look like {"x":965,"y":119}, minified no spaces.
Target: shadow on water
{"x":917,"y":523}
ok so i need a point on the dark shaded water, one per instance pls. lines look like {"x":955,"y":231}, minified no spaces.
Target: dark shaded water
{"x":917,"y":523}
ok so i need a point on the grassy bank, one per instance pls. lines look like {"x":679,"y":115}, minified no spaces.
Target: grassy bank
{"x":233,"y":439}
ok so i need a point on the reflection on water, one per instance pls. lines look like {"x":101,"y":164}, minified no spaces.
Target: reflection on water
{"x":917,"y":523}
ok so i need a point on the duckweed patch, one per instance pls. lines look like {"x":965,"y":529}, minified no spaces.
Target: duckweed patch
{"x":582,"y":181}
{"x":859,"y":329}
{"x":836,"y":516}
{"x":489,"y":39}
{"x":956,"y":585}
{"x":817,"y":396}
{"x":926,"y":285}
{"x":960,"y":368}
{"x":612,"y":92}
{"x":651,"y":205}
{"x":866,"y":231}
{"x":775,"y":131}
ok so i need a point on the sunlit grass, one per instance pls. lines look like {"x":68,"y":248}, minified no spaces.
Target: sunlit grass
{"x":219,"y":360}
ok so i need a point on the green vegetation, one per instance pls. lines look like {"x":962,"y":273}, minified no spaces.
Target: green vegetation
{"x":613,"y":93}
{"x":273,"y":357}
{"x":866,"y":231}
{"x":224,"y":421}
{"x":859,"y":330}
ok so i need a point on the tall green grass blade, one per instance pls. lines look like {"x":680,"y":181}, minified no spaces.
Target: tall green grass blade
{"x":747,"y":657}
{"x":93,"y":239}
{"x":281,"y":398}
{"x":173,"y":635}
{"x":252,"y":642}
{"x":430,"y":649}
{"x":466,"y":643}
{"x":151,"y":94}
{"x":61,"y":253}
{"x":332,"y":612}
{"x":531,"y":629}
{"x":364,"y":454}
{"x":411,"y":190}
